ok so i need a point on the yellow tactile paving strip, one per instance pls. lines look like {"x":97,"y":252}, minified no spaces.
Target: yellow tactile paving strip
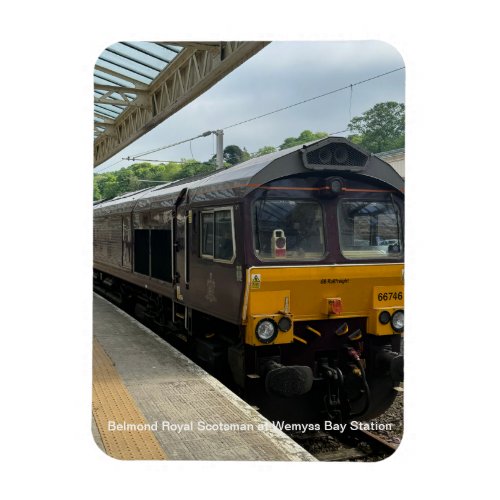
{"x":111,"y":402}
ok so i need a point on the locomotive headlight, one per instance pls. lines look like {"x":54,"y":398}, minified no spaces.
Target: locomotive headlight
{"x":336,"y":186}
{"x":398,"y":321}
{"x":266,"y":330}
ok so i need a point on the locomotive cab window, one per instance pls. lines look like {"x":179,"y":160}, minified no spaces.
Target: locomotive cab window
{"x":217,"y":235}
{"x":370,"y":230}
{"x":288,"y":230}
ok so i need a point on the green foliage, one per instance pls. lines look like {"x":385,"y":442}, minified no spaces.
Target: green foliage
{"x":381,"y":128}
{"x":192,"y":168}
{"x":140,"y":175}
{"x":305,"y":136}
{"x":234,"y":154}
{"x":108,"y":185}
{"x":97,"y":191}
{"x":264,"y":151}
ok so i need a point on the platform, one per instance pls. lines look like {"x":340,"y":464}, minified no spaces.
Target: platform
{"x":151,"y":402}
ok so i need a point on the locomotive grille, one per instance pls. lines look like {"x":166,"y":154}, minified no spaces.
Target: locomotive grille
{"x":336,"y":154}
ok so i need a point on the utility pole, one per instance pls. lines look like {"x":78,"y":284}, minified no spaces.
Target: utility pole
{"x":220,"y":148}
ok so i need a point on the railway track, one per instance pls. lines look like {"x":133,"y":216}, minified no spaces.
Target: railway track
{"x":352,"y":445}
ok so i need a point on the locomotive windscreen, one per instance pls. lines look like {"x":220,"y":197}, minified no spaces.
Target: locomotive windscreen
{"x":289,"y":229}
{"x":370,"y":230}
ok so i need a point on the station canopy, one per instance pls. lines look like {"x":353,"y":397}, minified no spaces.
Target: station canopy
{"x":137,"y":85}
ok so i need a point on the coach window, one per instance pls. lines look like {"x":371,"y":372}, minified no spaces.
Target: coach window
{"x":207,"y":234}
{"x":217,"y":235}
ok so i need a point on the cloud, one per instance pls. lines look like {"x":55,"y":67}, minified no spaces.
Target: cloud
{"x":282,"y":74}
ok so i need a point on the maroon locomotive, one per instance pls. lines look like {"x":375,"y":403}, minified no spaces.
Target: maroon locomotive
{"x":287,"y":270}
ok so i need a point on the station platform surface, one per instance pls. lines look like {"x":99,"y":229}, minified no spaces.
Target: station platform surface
{"x":151,"y":402}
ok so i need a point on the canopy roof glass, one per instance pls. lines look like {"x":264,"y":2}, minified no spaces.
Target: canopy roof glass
{"x":122,"y":73}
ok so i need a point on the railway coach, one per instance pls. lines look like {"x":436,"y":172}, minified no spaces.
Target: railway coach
{"x":287,"y":270}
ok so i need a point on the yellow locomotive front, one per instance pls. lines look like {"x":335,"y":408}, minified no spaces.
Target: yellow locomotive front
{"x":323,"y":311}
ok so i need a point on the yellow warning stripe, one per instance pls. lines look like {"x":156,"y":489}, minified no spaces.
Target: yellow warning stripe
{"x":111,"y":403}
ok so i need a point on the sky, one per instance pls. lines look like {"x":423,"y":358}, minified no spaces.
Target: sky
{"x":281,"y":74}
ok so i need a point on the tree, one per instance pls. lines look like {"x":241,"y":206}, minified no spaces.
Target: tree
{"x":381,"y":128}
{"x":264,"y":151}
{"x":97,"y":192}
{"x":108,"y":185}
{"x":305,"y":136}
{"x":127,"y":180}
{"x":234,"y":154}
{"x":193,"y":167}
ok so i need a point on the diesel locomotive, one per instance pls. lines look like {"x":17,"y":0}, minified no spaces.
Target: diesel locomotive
{"x":286,"y":270}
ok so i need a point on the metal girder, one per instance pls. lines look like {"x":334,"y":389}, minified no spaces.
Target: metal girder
{"x":197,"y":67}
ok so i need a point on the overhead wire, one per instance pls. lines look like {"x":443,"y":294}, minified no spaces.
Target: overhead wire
{"x":313,"y":98}
{"x":133,"y":158}
{"x":204,"y":134}
{"x":109,"y":166}
{"x":304,"y":101}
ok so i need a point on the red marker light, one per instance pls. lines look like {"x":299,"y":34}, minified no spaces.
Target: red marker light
{"x":281,"y":247}
{"x":335,"y":305}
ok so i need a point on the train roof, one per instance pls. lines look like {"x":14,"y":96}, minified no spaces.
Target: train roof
{"x":333,"y":155}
